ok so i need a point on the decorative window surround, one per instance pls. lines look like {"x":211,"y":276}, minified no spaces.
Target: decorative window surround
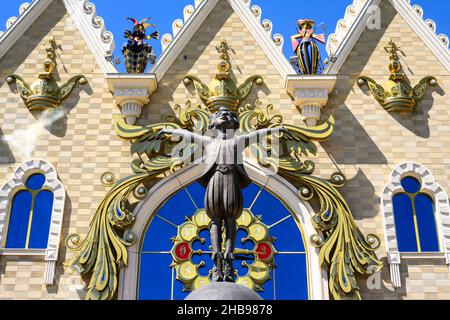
{"x":310,"y":93}
{"x":128,"y":281}
{"x":442,"y":215}
{"x":17,"y":183}
{"x":132,"y":92}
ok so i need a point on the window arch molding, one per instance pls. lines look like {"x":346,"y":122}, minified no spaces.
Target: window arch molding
{"x":282,"y":189}
{"x":441,"y":211}
{"x":16,"y":183}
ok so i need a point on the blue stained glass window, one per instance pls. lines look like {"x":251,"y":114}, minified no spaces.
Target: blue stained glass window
{"x":427,"y":223}
{"x":18,"y":220}
{"x":157,"y":280}
{"x":30,"y":216}
{"x":415,"y":221}
{"x":42,"y":216}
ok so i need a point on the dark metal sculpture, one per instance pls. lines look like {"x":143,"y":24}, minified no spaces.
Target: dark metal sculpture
{"x":136,"y":52}
{"x":224,"y":177}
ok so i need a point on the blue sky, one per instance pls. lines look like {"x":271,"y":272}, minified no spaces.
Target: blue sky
{"x":283,"y":13}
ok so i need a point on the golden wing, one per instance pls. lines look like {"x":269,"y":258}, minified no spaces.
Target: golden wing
{"x":296,"y":143}
{"x":104,"y":250}
{"x":202,"y":89}
{"x":420,"y":89}
{"x":377,"y":91}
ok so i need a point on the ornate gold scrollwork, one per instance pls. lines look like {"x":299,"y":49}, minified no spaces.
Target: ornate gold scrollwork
{"x":344,"y":250}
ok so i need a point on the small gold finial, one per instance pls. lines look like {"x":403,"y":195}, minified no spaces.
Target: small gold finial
{"x":397,"y":95}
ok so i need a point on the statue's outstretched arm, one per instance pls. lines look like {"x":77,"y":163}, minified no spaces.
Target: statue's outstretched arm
{"x":254,"y":136}
{"x":187,"y":135}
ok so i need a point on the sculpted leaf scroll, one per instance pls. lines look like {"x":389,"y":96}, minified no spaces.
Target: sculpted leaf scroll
{"x":103,"y":252}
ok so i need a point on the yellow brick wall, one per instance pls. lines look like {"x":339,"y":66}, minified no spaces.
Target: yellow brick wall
{"x":81,"y":147}
{"x":368,"y":142}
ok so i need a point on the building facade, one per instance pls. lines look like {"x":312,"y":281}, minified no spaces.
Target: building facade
{"x":373,"y":221}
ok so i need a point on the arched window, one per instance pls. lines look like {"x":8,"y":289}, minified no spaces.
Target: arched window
{"x":414,"y":218}
{"x":31,"y":213}
{"x":416,"y":215}
{"x":159,"y":278}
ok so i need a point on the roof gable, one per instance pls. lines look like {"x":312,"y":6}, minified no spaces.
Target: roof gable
{"x":83,"y":13}
{"x":358,"y":15}
{"x":183,"y":31}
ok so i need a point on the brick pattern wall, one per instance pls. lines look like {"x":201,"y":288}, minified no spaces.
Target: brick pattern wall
{"x":368,"y":142}
{"x":81,"y":146}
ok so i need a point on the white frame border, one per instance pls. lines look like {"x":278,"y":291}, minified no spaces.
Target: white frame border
{"x":442,"y":213}
{"x":16,"y":183}
{"x":128,"y":280}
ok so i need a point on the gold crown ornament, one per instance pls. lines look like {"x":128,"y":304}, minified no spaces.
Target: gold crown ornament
{"x":45,"y":93}
{"x":223,"y":92}
{"x":397,"y":95}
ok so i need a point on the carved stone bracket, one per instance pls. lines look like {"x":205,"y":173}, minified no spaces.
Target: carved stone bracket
{"x":132,"y":92}
{"x":310,"y":94}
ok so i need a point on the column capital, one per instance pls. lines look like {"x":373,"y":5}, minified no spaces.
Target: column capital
{"x":310,"y":89}
{"x":131,"y":92}
{"x":310,"y":94}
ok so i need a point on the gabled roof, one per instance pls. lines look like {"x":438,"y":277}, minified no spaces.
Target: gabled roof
{"x":184,"y":30}
{"x":83,"y":13}
{"x":350,"y":29}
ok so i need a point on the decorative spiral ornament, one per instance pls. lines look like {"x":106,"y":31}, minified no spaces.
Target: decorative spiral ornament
{"x":89,"y":7}
{"x":73,"y":241}
{"x":338,"y":179}
{"x":140,"y":192}
{"x":305,"y":193}
{"x":108,"y":179}
{"x":316,"y":241}
{"x":107,"y":36}
{"x":373,"y":240}
{"x":131,"y":237}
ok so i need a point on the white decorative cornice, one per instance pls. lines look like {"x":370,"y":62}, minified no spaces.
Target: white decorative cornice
{"x":343,"y":26}
{"x":92,"y":28}
{"x":442,"y":213}
{"x":432,"y":25}
{"x":17,"y":182}
{"x":131,"y":92}
{"x":16,"y":26}
{"x":183,"y":30}
{"x":9,"y":23}
{"x":83,"y":13}
{"x":310,"y":94}
{"x":356,"y":19}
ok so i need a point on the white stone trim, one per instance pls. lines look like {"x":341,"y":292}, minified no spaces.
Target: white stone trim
{"x":16,"y":183}
{"x":310,"y":94}
{"x":16,"y":27}
{"x":349,"y":30}
{"x":425,"y":31}
{"x":92,"y":28}
{"x":128,"y":281}
{"x":183,"y":31}
{"x":442,"y":213}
